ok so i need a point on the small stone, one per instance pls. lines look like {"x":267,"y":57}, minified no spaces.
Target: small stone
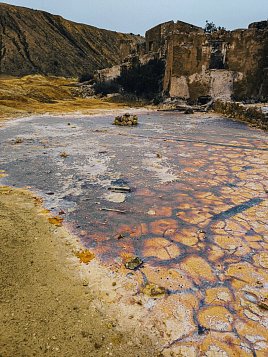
{"x":97,"y":345}
{"x":201,"y":235}
{"x":134,"y":263}
{"x":189,"y":111}
{"x":126,"y":120}
{"x":64,"y":155}
{"x":18,"y":141}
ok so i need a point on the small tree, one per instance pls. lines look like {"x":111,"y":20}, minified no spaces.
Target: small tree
{"x":210,"y":27}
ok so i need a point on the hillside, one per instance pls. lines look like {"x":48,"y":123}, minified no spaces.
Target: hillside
{"x":33,"y":41}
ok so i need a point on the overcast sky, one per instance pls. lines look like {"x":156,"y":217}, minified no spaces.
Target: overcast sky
{"x":137,"y":16}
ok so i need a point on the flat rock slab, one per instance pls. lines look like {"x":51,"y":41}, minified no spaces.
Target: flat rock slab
{"x":115,"y":197}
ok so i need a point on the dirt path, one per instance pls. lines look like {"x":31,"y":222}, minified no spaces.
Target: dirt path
{"x":45,"y":309}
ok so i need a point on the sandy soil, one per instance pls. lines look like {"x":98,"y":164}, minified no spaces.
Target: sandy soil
{"x":47,"y":307}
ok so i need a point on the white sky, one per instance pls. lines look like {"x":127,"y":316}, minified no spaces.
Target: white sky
{"x":137,"y":16}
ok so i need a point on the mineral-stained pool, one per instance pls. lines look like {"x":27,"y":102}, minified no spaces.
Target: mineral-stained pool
{"x":196,"y":214}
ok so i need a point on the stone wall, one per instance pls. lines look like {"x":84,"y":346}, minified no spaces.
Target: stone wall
{"x":249,"y":114}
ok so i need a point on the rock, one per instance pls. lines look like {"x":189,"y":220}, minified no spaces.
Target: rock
{"x":201,"y":235}
{"x":189,"y":111}
{"x":18,"y":141}
{"x":115,"y":197}
{"x":134,"y":263}
{"x":126,"y":120}
{"x":85,"y":283}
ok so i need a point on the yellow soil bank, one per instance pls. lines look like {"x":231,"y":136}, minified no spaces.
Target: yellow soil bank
{"x":49,"y":305}
{"x":39,"y":95}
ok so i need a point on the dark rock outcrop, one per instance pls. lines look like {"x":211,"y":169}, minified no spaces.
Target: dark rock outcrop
{"x":33,"y":41}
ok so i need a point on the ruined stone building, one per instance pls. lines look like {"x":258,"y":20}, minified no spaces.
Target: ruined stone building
{"x":223,"y":64}
{"x":220,"y":64}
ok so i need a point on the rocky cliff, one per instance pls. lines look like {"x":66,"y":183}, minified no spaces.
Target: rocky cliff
{"x":34,"y":41}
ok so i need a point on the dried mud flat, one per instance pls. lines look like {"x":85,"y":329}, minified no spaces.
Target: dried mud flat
{"x":196,"y":216}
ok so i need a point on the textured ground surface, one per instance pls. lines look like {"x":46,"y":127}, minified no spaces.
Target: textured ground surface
{"x":196,"y":215}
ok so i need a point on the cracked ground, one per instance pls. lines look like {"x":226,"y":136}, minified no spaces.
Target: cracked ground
{"x":196,"y":215}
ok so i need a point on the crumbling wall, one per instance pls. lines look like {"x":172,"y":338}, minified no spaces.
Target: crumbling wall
{"x":248,"y":54}
{"x":224,"y":64}
{"x":157,"y":37}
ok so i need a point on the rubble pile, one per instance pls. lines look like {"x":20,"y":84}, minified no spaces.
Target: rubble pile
{"x":84,"y":91}
{"x":126,"y":120}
